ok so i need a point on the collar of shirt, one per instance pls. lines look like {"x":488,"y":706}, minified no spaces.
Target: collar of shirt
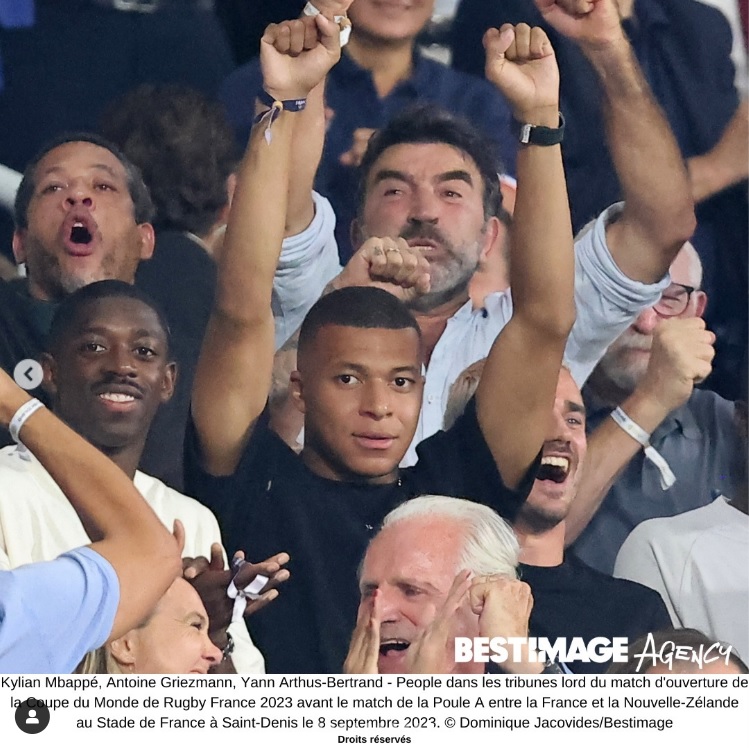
{"x":419,"y":83}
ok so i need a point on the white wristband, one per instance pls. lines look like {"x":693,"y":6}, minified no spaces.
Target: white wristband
{"x":21,"y":416}
{"x":342,"y":21}
{"x":643,"y":438}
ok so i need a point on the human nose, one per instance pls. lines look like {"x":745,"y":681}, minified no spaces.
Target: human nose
{"x":211,"y":652}
{"x":646,"y":321}
{"x":120,"y":361}
{"x":388,"y":604}
{"x":375,"y":401}
{"x":78,"y":194}
{"x":424,"y":206}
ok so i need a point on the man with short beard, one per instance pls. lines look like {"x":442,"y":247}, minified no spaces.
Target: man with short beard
{"x":691,"y":429}
{"x":570,"y":598}
{"x":412,"y":186}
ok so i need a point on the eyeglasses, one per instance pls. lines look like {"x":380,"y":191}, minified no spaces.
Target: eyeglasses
{"x":675,"y":300}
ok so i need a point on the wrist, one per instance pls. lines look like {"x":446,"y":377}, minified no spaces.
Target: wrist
{"x":10,"y":402}
{"x":607,"y":49}
{"x":292,"y":93}
{"x":545,"y":116}
{"x":648,"y":407}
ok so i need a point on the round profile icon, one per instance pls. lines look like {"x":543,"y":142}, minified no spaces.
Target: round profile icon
{"x":32,"y":715}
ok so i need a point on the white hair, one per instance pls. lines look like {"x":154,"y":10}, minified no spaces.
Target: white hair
{"x":490,"y":545}
{"x":694,"y":264}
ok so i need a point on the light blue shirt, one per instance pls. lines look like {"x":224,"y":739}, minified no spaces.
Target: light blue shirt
{"x":53,"y":613}
{"x":607,"y":302}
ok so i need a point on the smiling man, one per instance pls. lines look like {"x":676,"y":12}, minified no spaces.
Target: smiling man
{"x":107,"y":371}
{"x":570,"y":598}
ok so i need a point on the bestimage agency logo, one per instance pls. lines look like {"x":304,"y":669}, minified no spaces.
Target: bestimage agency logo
{"x":600,"y":649}
{"x":670,"y":654}
{"x":540,"y":649}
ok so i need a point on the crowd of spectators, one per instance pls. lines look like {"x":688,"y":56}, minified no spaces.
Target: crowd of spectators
{"x":458,"y":347}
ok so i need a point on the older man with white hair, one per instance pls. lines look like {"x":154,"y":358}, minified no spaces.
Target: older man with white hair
{"x":661,"y":447}
{"x":440,"y":568}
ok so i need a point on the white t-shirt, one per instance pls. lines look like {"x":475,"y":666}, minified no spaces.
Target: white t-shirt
{"x":699,"y":562}
{"x":38,"y":523}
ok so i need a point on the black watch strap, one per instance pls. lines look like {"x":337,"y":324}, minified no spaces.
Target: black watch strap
{"x":538,"y":134}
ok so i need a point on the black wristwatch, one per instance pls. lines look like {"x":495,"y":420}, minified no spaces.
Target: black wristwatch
{"x":538,"y":134}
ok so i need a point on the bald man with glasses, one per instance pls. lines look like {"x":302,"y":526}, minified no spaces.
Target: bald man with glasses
{"x":657,"y":446}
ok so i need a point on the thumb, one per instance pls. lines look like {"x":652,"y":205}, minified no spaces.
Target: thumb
{"x":179,"y":535}
{"x":498,"y":41}
{"x":330,"y":33}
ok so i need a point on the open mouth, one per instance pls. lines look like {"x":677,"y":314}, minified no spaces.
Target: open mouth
{"x":79,"y":234}
{"x":393,"y":646}
{"x":555,"y":469}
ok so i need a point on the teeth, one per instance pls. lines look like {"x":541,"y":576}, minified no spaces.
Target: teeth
{"x":77,"y":224}
{"x":117,"y":397}
{"x":561,"y":462}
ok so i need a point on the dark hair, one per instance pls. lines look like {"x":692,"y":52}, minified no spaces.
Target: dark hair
{"x":428,"y":123}
{"x":143,"y":207}
{"x":357,"y":306}
{"x":679,"y":638}
{"x":68,"y":311}
{"x":185,"y":148}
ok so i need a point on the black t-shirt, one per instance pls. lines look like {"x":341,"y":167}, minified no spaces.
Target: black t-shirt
{"x":274,"y":503}
{"x":573,"y":599}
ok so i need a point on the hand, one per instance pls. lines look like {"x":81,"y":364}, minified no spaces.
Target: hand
{"x":504,"y":608}
{"x":433,"y":651}
{"x":354,"y":155}
{"x":364,"y":650}
{"x":270,"y":568}
{"x":594,"y":24}
{"x":521,"y":64}
{"x":211,"y":579}
{"x":295,"y":56}
{"x":389,"y":264}
{"x":681,"y":357}
{"x":332,"y":8}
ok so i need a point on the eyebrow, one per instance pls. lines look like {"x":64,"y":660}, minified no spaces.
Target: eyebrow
{"x":402,"y":582}
{"x":448,"y":176}
{"x":101,"y":167}
{"x":359,"y":369}
{"x":99,"y":330}
{"x":574,"y":407}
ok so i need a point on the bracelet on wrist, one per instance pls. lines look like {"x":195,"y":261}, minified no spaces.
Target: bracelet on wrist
{"x":642,"y":437}
{"x":21,"y":416}
{"x":276,"y":106}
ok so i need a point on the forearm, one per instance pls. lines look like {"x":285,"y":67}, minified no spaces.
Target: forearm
{"x":610,"y":450}
{"x":659,"y":212}
{"x":256,"y":224}
{"x":542,"y":264}
{"x":306,"y":152}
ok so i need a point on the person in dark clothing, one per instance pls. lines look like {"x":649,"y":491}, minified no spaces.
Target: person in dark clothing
{"x":570,"y":598}
{"x":683,"y":49}
{"x":359,"y":380}
{"x":82,"y":215}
